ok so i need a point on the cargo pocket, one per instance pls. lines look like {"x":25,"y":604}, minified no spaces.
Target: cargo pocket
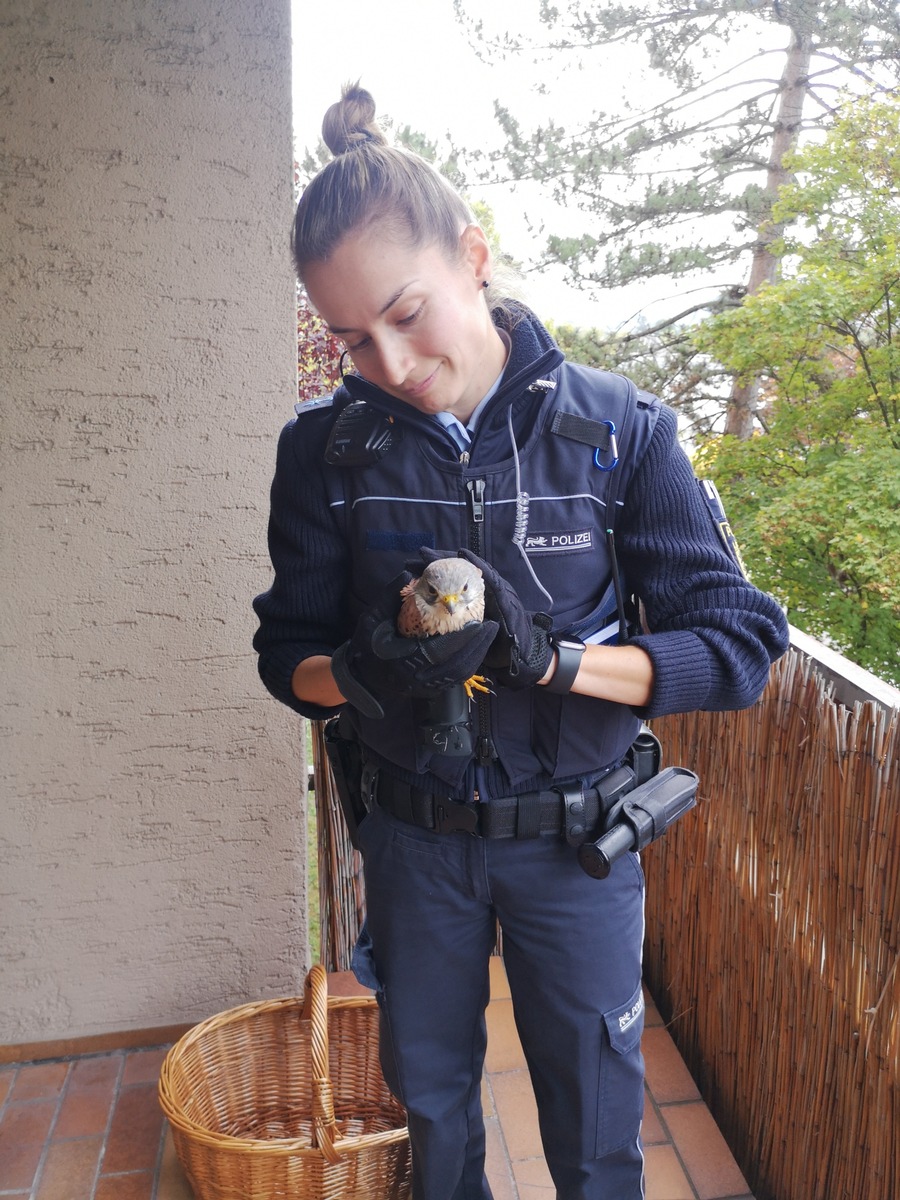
{"x":621,"y":1091}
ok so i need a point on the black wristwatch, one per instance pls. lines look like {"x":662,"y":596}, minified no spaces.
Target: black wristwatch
{"x":568,"y":659}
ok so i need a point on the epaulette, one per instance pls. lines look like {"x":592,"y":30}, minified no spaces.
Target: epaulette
{"x":305,"y":406}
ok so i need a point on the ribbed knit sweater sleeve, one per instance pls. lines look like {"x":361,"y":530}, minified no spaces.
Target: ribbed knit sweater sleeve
{"x":305,"y":610}
{"x":713,"y":636}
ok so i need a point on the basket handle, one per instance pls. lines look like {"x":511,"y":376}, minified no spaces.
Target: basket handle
{"x":315,"y":1009}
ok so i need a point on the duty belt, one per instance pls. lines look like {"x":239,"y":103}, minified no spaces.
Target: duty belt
{"x":567,"y":809}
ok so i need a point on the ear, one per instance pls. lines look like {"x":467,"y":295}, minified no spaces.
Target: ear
{"x":476,"y":253}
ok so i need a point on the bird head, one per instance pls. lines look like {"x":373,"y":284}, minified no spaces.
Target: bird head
{"x":450,"y":593}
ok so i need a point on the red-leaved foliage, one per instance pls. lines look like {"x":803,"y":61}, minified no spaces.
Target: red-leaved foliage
{"x":318,"y":355}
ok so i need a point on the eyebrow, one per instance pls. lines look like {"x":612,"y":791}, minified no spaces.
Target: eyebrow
{"x":393,"y":300}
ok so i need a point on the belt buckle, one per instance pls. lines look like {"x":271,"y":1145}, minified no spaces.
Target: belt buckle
{"x":452,"y":817}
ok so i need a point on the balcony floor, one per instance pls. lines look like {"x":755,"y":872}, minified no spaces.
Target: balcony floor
{"x":90,"y":1128}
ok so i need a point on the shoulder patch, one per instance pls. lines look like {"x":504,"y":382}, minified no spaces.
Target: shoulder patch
{"x":305,"y":406}
{"x":720,"y":520}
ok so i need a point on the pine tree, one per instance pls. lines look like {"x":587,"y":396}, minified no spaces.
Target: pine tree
{"x":686,"y":184}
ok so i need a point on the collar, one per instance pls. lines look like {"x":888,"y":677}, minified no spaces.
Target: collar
{"x":533,"y":354}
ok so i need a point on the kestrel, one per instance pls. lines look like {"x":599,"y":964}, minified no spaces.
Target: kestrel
{"x":448,"y":595}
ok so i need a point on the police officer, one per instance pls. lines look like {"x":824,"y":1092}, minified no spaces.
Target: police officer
{"x":464,"y":431}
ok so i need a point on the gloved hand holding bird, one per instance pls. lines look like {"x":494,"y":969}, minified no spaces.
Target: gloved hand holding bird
{"x":424,"y":637}
{"x":447,"y":596}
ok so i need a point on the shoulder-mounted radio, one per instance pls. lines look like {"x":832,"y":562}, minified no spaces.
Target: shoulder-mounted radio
{"x":361,"y":436}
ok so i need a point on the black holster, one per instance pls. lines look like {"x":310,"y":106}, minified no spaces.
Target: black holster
{"x":345,"y":756}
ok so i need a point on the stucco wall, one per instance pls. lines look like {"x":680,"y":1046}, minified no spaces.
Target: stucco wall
{"x":151,"y":817}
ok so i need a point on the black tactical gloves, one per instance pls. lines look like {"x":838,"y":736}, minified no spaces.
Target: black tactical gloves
{"x":378,"y":661}
{"x":521,"y":651}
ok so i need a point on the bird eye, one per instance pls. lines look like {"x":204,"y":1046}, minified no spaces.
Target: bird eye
{"x":432,"y":592}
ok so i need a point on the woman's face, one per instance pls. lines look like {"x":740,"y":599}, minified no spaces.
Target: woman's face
{"x":415,"y":323}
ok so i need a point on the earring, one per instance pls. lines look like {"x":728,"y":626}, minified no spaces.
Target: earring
{"x":485,"y":283}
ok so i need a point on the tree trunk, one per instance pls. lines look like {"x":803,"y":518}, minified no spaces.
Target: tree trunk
{"x":794,"y":85}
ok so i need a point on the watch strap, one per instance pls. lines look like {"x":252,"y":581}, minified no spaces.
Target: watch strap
{"x":569,"y":652}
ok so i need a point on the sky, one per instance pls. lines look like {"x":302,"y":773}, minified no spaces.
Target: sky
{"x":415,"y":58}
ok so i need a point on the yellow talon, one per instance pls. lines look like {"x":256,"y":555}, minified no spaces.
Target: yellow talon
{"x":477,"y":683}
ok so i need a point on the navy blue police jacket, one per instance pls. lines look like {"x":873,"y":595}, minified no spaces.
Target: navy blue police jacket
{"x":339,"y":533}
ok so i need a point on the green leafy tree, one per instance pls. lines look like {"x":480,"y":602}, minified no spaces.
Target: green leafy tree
{"x":815,"y":494}
{"x":685,"y":183}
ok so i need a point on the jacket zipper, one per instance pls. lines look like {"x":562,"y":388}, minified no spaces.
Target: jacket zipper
{"x":475,"y":488}
{"x":484,"y":745}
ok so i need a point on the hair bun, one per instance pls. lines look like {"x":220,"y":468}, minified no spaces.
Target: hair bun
{"x":350,"y":122}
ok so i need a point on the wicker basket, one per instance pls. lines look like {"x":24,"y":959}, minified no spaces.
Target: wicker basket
{"x":285,"y":1098}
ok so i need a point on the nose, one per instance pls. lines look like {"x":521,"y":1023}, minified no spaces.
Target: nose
{"x":395,"y":360}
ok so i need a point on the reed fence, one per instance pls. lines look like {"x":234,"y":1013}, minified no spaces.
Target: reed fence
{"x":341,"y":893}
{"x":773,"y":935}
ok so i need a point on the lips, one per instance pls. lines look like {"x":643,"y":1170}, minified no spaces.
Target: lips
{"x":419,"y":389}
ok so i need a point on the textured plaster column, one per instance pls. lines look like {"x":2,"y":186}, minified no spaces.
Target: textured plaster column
{"x":152,"y":845}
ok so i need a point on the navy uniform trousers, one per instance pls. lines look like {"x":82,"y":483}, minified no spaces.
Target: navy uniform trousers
{"x":572,"y":950}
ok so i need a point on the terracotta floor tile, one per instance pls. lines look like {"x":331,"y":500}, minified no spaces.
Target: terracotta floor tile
{"x":499,"y":982}
{"x":664,"y":1178}
{"x":173,"y":1184}
{"x":39,"y":1081}
{"x":29,"y":1122}
{"x":134,"y":1135}
{"x":88,"y":1097}
{"x":667,"y":1077}
{"x":653,"y":1132}
{"x":496,"y":1164}
{"x":18,"y":1164}
{"x":651,"y":1012}
{"x":532,"y":1176}
{"x":7,"y":1078}
{"x":504,"y":1050}
{"x":84,"y":1113}
{"x":704,"y":1151}
{"x":70,"y":1169}
{"x":487,"y":1099}
{"x":143,"y":1066}
{"x":96,"y":1071}
{"x":517,"y":1113}
{"x":345,"y":983}
{"x":136,"y":1186}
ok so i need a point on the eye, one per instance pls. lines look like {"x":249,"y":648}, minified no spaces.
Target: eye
{"x":432,"y":592}
{"x":413,"y":317}
{"x":361,"y":345}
